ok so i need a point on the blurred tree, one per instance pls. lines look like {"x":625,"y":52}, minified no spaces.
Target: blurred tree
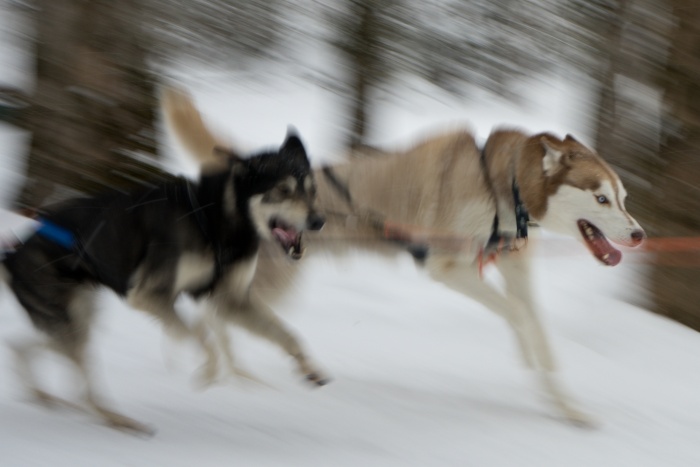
{"x":364,"y":27}
{"x":217,"y":32}
{"x":632,"y":54}
{"x":92,"y":113}
{"x":460,"y":45}
{"x":648,"y":127}
{"x":676,"y":187}
{"x":93,"y":102}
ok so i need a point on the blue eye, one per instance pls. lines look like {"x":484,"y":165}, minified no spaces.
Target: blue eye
{"x":602,"y":199}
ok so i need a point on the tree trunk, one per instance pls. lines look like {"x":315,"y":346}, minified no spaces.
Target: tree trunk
{"x":675,"y":277}
{"x":363,"y":54}
{"x":94,"y":100}
{"x":612,"y":38}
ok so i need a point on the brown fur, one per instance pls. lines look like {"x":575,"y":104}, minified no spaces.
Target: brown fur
{"x":511,"y":154}
{"x":416,"y":190}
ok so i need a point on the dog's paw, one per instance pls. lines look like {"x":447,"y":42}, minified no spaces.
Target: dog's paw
{"x":317,"y":378}
{"x":580,"y":419}
{"x":205,"y":377}
{"x":128,"y":425}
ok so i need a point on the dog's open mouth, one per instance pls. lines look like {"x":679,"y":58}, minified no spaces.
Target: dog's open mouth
{"x":598,"y":244}
{"x":288,"y":237}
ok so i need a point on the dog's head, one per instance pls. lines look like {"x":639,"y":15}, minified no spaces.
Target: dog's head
{"x":585,"y":197}
{"x":278,"y":191}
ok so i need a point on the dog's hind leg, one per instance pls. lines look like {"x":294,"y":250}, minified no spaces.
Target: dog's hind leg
{"x":464,"y":278}
{"x":71,"y":342}
{"x":66,"y":330}
{"x":162,"y":307}
{"x":77,"y":355}
{"x":259,"y":319}
{"x":25,"y":352}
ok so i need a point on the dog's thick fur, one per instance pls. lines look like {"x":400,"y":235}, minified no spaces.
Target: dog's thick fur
{"x":444,"y":193}
{"x":150,"y":245}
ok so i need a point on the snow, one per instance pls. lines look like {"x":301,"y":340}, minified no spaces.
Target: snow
{"x":421,"y":375}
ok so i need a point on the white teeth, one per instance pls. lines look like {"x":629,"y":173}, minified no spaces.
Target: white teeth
{"x":290,"y":252}
{"x":589,"y":232}
{"x":606,"y":256}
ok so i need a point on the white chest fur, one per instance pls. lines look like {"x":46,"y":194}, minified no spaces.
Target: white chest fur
{"x":193,"y":270}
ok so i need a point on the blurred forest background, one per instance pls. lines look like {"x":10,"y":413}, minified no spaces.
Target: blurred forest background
{"x":91,"y":109}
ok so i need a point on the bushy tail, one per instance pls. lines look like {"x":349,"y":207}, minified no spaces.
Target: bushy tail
{"x":183,"y":118}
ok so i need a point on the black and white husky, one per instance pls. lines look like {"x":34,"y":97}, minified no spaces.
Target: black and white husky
{"x":152,"y":244}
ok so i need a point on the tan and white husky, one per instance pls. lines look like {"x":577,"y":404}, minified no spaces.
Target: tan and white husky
{"x":454,"y":207}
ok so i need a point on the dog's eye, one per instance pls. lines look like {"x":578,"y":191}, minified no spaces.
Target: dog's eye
{"x":284,"y":190}
{"x":602,"y":199}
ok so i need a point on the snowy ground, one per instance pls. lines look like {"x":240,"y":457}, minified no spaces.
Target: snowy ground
{"x":422,"y":376}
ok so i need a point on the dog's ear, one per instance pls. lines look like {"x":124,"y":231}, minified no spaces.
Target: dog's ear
{"x":570,"y":139}
{"x":293,"y":146}
{"x":552,"y":160}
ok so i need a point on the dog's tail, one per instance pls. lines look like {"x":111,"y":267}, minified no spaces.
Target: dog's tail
{"x":186,"y":122}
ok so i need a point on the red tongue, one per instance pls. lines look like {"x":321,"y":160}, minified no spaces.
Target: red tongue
{"x":604,"y":251}
{"x":598,"y":244}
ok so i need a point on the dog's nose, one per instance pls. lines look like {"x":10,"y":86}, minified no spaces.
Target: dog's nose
{"x":315,"y":221}
{"x":638,"y":236}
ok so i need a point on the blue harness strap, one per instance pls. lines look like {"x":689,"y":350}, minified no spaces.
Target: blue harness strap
{"x":56,"y":233}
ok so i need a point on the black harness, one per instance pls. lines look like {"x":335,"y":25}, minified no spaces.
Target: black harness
{"x":522,"y":219}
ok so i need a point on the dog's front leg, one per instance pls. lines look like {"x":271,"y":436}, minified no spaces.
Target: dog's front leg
{"x":463,"y":277}
{"x":516,"y":270}
{"x":218,"y":329}
{"x":259,"y":319}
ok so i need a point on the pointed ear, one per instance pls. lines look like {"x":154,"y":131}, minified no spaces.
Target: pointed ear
{"x":571,"y":139}
{"x":293,"y":145}
{"x":552,"y":160}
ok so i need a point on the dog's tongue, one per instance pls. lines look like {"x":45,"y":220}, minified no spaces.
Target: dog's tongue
{"x":290,"y":240}
{"x":598,"y":244}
